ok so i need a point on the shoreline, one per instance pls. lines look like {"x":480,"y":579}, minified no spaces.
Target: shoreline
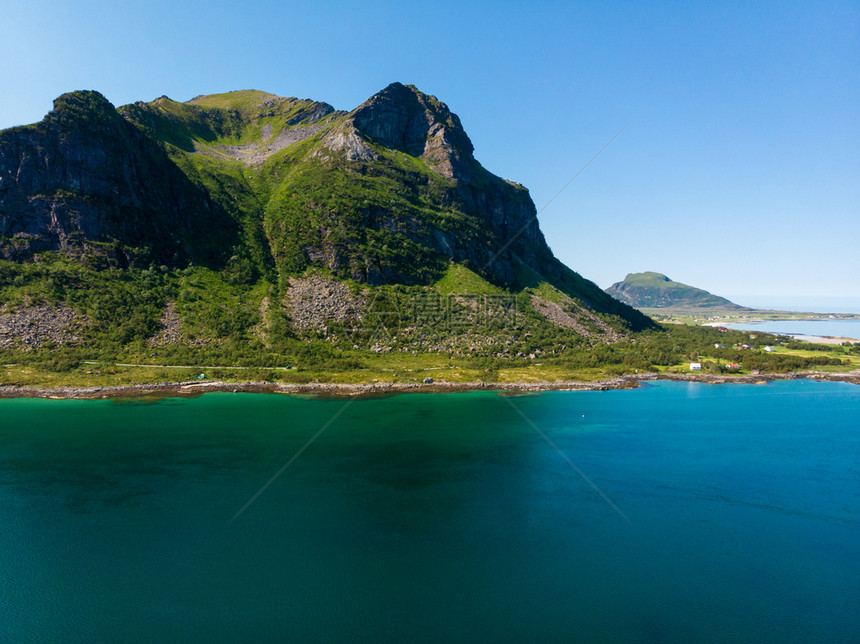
{"x":802,"y":337}
{"x":191,"y":389}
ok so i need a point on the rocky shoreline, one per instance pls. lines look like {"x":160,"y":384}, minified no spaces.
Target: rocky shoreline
{"x":196,"y":388}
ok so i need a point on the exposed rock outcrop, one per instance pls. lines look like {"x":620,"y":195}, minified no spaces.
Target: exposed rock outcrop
{"x":344,"y":139}
{"x":402,"y":118}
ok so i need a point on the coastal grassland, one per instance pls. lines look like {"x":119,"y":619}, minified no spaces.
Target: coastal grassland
{"x":850,"y":355}
{"x":317,"y":363}
{"x":40,"y":376}
{"x":378,"y":372}
{"x":236,"y":328}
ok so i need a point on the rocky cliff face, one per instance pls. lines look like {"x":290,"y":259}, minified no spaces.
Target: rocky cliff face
{"x":84,"y":180}
{"x":404,"y":119}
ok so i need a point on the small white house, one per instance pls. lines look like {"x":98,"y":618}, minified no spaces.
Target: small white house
{"x":695,"y":366}
{"x":719,"y":345}
{"x":769,"y":349}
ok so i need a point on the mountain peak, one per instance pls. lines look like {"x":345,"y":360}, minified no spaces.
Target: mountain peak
{"x":647,"y":276}
{"x":235,"y":100}
{"x":254,"y":104}
{"x":82,"y":106}
{"x":403,"y":118}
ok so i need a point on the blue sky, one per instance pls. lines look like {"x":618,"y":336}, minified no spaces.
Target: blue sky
{"x":738,"y":171}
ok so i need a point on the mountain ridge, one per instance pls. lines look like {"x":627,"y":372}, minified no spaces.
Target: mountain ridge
{"x":255,"y":187}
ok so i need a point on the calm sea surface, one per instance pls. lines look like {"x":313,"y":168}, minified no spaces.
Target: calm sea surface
{"x":824,"y":327}
{"x":436,"y":518}
{"x":799,"y":303}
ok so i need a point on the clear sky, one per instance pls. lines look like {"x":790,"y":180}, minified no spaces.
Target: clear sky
{"x":738,"y":171}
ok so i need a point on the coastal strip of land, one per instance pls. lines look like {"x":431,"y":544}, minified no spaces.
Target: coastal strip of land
{"x":196,"y":387}
{"x":824,"y":339}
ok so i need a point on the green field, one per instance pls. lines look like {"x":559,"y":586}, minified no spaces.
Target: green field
{"x":404,"y":368}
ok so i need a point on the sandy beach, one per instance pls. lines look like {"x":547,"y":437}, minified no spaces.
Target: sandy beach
{"x":824,"y":339}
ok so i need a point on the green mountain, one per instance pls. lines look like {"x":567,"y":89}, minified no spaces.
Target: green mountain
{"x":656,"y":291}
{"x":257,"y":217}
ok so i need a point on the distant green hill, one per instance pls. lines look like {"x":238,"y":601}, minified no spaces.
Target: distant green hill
{"x":651,"y":290}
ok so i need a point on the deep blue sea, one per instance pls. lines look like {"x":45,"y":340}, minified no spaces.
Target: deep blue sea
{"x":671,"y":513}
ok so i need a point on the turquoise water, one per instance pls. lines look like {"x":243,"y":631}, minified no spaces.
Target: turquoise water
{"x":431,"y":518}
{"x":824,"y":327}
